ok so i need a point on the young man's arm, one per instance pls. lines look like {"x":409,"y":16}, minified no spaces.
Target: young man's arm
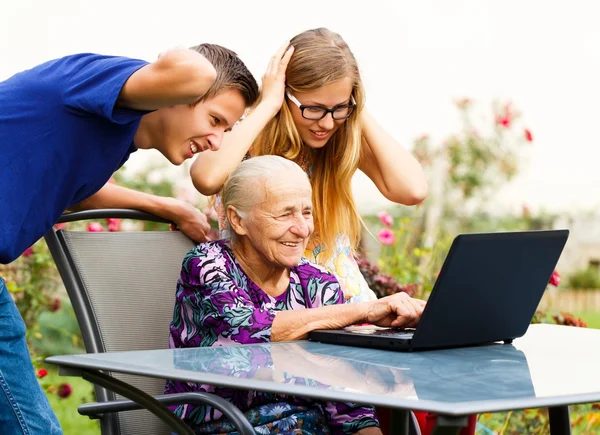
{"x":189,"y":220}
{"x":179,"y":76}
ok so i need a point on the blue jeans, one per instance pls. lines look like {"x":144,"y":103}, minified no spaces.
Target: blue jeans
{"x":24,"y":408}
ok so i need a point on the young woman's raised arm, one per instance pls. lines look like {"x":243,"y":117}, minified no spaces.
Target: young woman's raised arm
{"x":395,"y":171}
{"x":210,"y":170}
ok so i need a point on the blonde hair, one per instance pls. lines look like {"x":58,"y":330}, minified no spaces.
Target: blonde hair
{"x":322,"y":57}
{"x":242,"y":187}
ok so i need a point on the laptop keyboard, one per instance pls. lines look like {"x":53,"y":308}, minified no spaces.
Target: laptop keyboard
{"x":394,"y":333}
{"x":387,"y":332}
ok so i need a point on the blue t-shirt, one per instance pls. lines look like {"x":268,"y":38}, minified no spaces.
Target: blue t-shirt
{"x":61,"y":139}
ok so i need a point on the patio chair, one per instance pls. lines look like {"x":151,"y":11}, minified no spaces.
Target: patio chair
{"x":122,"y":288}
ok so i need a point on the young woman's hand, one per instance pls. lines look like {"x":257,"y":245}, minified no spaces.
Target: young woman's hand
{"x":273,"y":80}
{"x":397,"y":311}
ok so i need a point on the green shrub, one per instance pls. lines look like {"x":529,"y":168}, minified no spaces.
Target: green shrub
{"x":585,"y":279}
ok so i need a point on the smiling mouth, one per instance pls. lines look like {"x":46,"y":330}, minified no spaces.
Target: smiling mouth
{"x":291,"y":244}
{"x":195,"y":148}
{"x":320,"y":134}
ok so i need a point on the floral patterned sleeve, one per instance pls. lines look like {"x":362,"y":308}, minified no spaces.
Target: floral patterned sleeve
{"x":211,"y":308}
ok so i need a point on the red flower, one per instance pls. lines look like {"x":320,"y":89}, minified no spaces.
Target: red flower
{"x":28,"y":252}
{"x":41,"y":373}
{"x":505,"y":119}
{"x":95,"y":227}
{"x":386,"y":236}
{"x":64,"y":391}
{"x":528,"y":135}
{"x":60,"y":226}
{"x":554,"y":279}
{"x":55,"y":304}
{"x":113,"y":224}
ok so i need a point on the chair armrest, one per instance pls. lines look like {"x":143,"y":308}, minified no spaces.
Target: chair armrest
{"x":231,"y":412}
{"x":104,"y":213}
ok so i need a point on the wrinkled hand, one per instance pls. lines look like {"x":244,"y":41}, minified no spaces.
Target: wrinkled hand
{"x":273,"y":80}
{"x":191,"y":222}
{"x":396,"y":311}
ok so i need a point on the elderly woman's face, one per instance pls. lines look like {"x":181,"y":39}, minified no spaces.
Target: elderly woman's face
{"x":280,"y":224}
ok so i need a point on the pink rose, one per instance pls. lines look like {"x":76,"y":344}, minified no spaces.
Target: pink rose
{"x":385,"y":218}
{"x":113,"y":224}
{"x":554,"y":279}
{"x":95,"y":227}
{"x":386,"y":236}
{"x":28,"y":252}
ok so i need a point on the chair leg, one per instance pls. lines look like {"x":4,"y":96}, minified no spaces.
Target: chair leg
{"x":449,"y":425}
{"x":138,"y":396}
{"x":560,"y":421}
{"x":413,"y":424}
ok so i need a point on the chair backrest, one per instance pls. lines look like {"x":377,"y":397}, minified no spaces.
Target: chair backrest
{"x":122,"y":287}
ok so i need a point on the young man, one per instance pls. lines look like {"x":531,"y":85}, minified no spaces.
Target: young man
{"x":65,"y":127}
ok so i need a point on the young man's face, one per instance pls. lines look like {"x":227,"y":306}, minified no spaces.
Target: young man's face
{"x":189,"y":130}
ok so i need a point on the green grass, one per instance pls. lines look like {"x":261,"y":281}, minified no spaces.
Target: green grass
{"x":66,"y":409}
{"x":591,"y":318}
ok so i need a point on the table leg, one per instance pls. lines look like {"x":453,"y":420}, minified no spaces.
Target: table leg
{"x":399,"y":422}
{"x":138,"y":396}
{"x":449,"y":425}
{"x":560,"y":421}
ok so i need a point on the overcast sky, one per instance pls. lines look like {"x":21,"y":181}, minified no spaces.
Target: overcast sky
{"x":416,"y":57}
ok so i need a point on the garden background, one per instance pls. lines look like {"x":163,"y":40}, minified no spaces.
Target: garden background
{"x":497,"y":99}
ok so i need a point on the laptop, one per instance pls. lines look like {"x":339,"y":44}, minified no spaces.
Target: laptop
{"x":488,"y":290}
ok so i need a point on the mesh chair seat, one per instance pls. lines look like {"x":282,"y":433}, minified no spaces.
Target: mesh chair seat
{"x":129,"y":280}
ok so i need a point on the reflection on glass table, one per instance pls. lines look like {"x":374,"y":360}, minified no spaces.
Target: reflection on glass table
{"x":551,"y":366}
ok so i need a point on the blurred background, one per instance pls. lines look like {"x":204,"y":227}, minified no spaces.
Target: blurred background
{"x":498,"y":100}
{"x":416,"y":58}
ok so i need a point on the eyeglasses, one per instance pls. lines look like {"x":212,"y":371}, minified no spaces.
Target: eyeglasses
{"x":316,"y":113}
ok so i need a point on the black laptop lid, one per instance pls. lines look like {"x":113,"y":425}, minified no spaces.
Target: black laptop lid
{"x":489,"y":287}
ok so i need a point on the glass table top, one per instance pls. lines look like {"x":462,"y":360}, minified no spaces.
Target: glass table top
{"x":550,"y":365}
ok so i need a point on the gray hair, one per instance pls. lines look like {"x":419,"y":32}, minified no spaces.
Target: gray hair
{"x":248,"y":179}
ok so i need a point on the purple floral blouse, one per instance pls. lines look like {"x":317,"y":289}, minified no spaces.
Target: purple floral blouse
{"x":217,"y":304}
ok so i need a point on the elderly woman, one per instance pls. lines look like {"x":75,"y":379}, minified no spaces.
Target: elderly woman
{"x":256,"y":288}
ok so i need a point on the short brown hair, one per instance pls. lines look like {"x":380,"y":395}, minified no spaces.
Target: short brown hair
{"x":232,"y":73}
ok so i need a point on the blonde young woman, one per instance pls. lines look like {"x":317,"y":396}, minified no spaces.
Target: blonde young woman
{"x":312,"y":111}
